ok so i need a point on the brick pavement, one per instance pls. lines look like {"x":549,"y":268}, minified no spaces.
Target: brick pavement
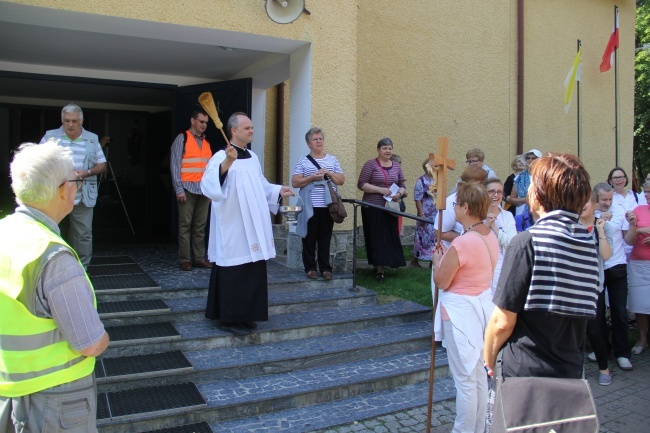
{"x":623,"y":406}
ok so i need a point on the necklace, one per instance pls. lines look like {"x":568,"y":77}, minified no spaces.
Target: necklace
{"x":472,"y":226}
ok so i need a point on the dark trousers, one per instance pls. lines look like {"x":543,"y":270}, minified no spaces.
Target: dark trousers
{"x":597,"y":333}
{"x":319,"y":235}
{"x":616,"y":285}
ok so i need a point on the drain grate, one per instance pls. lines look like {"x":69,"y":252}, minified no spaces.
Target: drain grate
{"x":146,"y":305}
{"x":154,"y":362}
{"x":154,"y":399}
{"x":124,"y":282}
{"x":102,"y":407}
{"x":110,"y":260}
{"x":104,"y":270}
{"x":143,"y":332}
{"x":203,"y":427}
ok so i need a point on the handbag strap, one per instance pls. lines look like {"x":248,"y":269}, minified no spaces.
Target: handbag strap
{"x":313,"y":161}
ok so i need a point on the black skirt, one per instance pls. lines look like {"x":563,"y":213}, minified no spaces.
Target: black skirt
{"x":382,"y":238}
{"x":238,"y":293}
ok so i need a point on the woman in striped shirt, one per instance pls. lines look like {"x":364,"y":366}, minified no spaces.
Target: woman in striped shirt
{"x":380,"y":229}
{"x":549,"y":282}
{"x":311,"y":175}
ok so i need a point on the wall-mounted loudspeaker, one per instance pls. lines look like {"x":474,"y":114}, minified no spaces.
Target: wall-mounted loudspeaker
{"x":285,"y":11}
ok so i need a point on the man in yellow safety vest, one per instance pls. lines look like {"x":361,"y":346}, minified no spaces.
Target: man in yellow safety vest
{"x":50,"y":332}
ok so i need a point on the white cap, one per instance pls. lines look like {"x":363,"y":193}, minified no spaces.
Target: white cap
{"x":536,"y":152}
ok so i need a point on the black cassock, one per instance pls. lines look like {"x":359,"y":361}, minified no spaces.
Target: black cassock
{"x":238,"y":293}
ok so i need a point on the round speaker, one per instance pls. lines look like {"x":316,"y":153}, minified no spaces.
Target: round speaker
{"x":284,"y":11}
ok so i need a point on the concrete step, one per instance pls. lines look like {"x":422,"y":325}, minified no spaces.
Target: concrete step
{"x":242,"y":398}
{"x":118,"y":313}
{"x":188,"y":336}
{"x":344,"y":412}
{"x":114,"y":374}
{"x":198,"y":287}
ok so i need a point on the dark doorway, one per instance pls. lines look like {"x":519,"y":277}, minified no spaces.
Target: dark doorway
{"x":141,"y":136}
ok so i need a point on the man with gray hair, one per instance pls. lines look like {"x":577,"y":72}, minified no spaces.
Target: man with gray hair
{"x":615,"y":279}
{"x":50,"y":332}
{"x":89,"y":162}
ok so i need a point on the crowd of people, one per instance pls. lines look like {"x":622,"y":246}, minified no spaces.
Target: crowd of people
{"x":559,"y":258}
{"x":526,"y":268}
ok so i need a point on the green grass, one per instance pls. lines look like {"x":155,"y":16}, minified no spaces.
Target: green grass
{"x":409,"y":283}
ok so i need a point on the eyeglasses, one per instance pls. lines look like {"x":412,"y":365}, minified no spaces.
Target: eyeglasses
{"x":472,"y":161}
{"x":202,"y":122}
{"x":495,"y":192}
{"x":78,"y":181}
{"x":530,"y":157}
{"x":618,"y":177}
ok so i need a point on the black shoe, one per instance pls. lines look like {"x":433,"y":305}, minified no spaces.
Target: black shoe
{"x":234,"y":328}
{"x":380,"y":278}
{"x":249,"y":325}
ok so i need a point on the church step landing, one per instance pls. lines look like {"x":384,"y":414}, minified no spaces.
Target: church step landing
{"x":247,"y":361}
{"x":231,"y":399}
{"x":193,"y":309}
{"x":187,"y":336}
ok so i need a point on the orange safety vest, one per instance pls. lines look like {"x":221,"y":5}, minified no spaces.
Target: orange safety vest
{"x":194,"y":159}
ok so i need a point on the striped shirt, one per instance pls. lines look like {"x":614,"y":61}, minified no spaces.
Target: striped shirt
{"x":565,"y":276}
{"x":306,"y":168}
{"x":372,"y":173}
{"x":175,"y":165}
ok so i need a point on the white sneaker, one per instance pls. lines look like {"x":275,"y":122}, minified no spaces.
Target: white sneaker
{"x":591,"y":357}
{"x":624,"y":363}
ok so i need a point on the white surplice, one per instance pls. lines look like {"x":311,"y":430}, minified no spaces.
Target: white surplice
{"x":240,"y":226}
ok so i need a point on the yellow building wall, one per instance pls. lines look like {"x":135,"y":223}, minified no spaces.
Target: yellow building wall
{"x":552,"y":30}
{"x":438,"y":68}
{"x":418,"y":70}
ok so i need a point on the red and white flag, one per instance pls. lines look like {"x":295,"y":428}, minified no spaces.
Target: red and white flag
{"x":610,"y":51}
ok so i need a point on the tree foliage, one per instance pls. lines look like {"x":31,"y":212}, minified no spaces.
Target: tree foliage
{"x":642,"y":92}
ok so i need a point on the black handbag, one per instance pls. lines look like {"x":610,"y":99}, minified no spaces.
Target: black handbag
{"x":336,"y":207}
{"x":543,"y":405}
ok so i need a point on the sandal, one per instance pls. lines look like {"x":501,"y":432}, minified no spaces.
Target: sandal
{"x":638,"y":350}
{"x":379,"y":277}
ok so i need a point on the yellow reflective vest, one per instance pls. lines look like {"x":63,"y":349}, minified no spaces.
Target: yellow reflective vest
{"x":33,"y":354}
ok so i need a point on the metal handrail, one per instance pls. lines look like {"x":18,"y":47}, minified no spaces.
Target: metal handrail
{"x":361,"y":203}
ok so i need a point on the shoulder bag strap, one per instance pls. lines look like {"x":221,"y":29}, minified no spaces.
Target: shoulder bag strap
{"x":313,"y":161}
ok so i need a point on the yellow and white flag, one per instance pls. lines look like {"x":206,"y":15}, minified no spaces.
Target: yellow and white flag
{"x":571,"y":78}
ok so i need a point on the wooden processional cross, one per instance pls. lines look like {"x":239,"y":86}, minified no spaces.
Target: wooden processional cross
{"x":444,"y":163}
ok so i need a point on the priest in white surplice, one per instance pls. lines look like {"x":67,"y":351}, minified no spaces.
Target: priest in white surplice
{"x":241,"y":240}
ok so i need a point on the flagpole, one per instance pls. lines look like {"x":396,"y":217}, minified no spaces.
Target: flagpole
{"x":616,"y":93}
{"x":578,"y":102}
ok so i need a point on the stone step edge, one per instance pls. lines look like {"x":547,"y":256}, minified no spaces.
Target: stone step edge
{"x":279,"y":286}
{"x":197,"y":371}
{"x":319,"y":417}
{"x":411,"y":375}
{"x":365,"y":293}
{"x":264,"y":332}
